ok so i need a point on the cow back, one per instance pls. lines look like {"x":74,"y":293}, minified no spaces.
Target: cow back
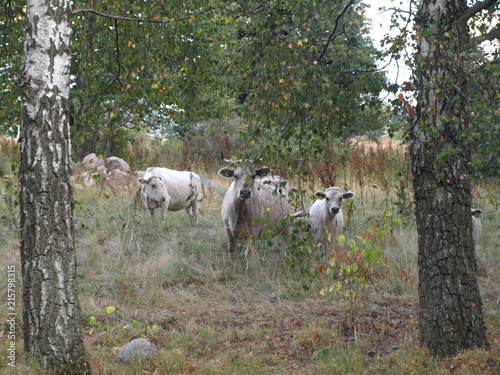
{"x":272,"y":192}
{"x":182,"y":186}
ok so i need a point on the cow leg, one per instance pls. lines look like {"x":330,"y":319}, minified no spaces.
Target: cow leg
{"x":152,"y":212}
{"x":231,"y":241}
{"x":248,"y":254}
{"x":164,"y":209}
{"x":195,"y":210}
{"x":192,"y":211}
{"x":189,"y":211}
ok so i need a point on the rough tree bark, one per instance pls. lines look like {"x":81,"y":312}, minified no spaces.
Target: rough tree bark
{"x":451,"y":317}
{"x":51,"y":310}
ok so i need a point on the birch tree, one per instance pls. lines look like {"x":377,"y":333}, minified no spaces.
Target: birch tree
{"x":51,"y":310}
{"x":451,"y":316}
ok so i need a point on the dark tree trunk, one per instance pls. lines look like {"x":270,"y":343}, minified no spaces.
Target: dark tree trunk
{"x":451,"y":317}
{"x":51,"y":311}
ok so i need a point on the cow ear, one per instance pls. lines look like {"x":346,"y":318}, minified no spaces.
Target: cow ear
{"x":475,"y":212}
{"x":262,"y":171}
{"x":226,"y":172}
{"x":142,"y":181}
{"x":348,"y":194}
{"x":320,"y":195}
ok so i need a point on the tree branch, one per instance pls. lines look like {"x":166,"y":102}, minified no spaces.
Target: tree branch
{"x":143,"y":20}
{"x":486,"y":65}
{"x":337,"y":22}
{"x":476,"y":8}
{"x":399,"y":10}
{"x":491,"y":35}
{"x":113,"y":17}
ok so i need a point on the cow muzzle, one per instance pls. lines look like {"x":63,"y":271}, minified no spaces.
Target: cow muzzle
{"x":245,"y":193}
{"x":335,"y":210}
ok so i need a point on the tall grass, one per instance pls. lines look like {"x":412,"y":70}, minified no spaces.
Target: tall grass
{"x":177,"y":285}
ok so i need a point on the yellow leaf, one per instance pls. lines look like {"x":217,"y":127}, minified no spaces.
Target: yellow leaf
{"x":154,"y":86}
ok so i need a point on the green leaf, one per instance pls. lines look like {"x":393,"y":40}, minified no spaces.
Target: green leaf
{"x":341,"y":240}
{"x":370,"y":255}
{"x":110,"y":309}
{"x":155,"y":329}
{"x":396,"y":221}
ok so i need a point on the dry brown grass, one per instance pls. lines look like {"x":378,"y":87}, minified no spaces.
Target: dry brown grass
{"x":177,"y":285}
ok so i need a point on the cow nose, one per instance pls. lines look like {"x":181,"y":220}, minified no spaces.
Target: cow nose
{"x":163,"y":199}
{"x":245,"y":193}
{"x":335,"y":210}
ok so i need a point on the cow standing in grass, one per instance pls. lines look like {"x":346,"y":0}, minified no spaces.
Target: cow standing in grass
{"x":253,"y":202}
{"x":325,"y":215}
{"x":171,"y":190}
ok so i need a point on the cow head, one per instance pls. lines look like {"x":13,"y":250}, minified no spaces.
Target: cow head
{"x":475,"y":212}
{"x":153,"y":191}
{"x":333,"y":197}
{"x":243,"y":179}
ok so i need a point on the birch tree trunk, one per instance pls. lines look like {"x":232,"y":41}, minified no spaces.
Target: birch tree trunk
{"x":451,"y":317}
{"x":51,"y":311}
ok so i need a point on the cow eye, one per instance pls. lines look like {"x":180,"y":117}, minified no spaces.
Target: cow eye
{"x":341,"y":199}
{"x":153,"y":186}
{"x":326,"y":198}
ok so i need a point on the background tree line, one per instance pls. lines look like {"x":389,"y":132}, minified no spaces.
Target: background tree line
{"x":289,"y":71}
{"x":171,"y":67}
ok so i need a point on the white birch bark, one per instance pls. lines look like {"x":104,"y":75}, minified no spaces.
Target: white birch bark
{"x":51,"y":312}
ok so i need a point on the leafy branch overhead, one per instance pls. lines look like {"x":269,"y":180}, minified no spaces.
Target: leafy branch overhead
{"x":298,"y":74}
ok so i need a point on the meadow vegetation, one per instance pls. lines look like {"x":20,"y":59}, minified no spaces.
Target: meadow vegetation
{"x":177,"y":285}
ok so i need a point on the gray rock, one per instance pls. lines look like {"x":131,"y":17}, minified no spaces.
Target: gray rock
{"x":116,"y":163}
{"x":92,"y":161}
{"x":137,"y":349}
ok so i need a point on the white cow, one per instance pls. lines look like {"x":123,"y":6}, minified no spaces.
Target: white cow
{"x":477,"y":228}
{"x":252,"y":202}
{"x":171,"y":190}
{"x":325,"y":215}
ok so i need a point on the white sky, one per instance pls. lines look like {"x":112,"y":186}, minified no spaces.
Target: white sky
{"x":381,"y":21}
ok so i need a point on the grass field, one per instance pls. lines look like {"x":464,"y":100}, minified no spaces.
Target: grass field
{"x":176,"y":285}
